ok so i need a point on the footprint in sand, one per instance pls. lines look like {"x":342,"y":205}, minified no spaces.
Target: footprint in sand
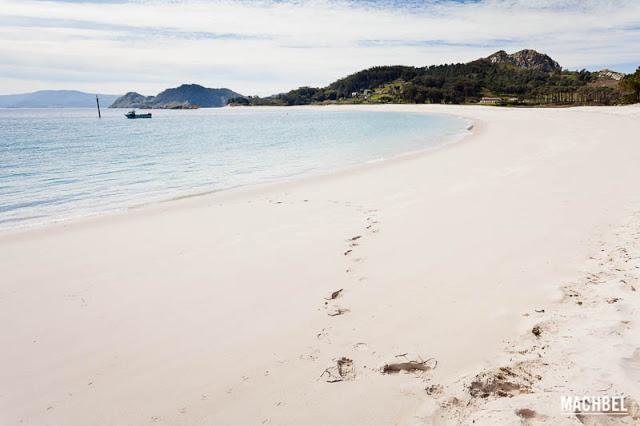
{"x":434,"y":390}
{"x":336,"y":312}
{"x":343,"y":370}
{"x":322,"y":334}
{"x":311,"y":356}
{"x":360,"y":346}
{"x":372,"y":225}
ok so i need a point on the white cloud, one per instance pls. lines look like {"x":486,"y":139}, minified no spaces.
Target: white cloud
{"x":265,"y":47}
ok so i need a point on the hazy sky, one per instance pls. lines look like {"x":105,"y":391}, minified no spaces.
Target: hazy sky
{"x":264,"y":47}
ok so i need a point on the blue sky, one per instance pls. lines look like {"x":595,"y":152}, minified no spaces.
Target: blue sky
{"x":267,"y":46}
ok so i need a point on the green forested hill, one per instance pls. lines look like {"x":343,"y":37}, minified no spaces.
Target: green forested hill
{"x":525,"y":77}
{"x":185,"y":96}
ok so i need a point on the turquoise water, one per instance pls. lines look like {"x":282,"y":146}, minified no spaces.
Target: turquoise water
{"x":57,"y":164}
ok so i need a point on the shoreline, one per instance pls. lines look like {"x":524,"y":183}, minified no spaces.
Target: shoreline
{"x":254,"y":188}
{"x":285,"y":305}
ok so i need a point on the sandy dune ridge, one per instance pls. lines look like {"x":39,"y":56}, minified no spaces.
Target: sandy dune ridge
{"x":401,"y":292}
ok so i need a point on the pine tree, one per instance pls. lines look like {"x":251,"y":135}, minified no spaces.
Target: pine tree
{"x":631,"y":83}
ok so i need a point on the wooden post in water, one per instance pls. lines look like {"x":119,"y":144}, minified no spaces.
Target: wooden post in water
{"x":98,"y":103}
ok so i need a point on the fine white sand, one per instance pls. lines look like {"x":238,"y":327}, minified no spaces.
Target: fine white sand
{"x":213,"y":310}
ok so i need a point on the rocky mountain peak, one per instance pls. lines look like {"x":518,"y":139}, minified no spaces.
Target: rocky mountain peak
{"x":607,"y":74}
{"x":527,"y":58}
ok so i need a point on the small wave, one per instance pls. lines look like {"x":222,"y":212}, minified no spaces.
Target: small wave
{"x":375,"y":160}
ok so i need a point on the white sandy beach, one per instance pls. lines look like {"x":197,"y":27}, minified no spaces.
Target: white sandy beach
{"x":213,"y":310}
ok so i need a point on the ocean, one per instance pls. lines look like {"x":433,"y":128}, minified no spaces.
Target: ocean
{"x":59,"y":164}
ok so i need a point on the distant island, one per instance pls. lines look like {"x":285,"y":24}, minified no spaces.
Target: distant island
{"x":187,"y":96}
{"x":526,"y":77}
{"x":54,"y":99}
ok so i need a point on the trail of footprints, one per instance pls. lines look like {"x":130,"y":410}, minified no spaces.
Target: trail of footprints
{"x":334,"y":306}
{"x":352,"y":259}
{"x":343,"y":368}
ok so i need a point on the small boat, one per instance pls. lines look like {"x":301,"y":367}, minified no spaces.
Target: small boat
{"x":132,"y":114}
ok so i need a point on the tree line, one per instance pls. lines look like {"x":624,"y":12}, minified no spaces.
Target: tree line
{"x":461,"y":83}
